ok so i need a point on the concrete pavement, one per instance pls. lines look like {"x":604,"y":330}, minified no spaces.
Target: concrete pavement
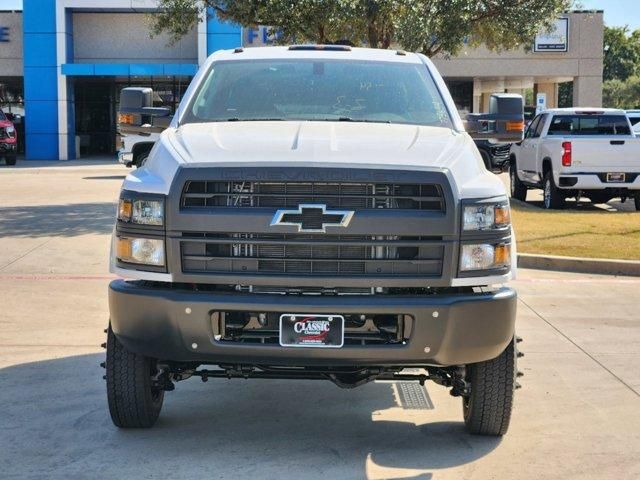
{"x":575,"y":417}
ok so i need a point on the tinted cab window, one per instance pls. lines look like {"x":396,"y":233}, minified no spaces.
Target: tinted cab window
{"x":566,"y":125}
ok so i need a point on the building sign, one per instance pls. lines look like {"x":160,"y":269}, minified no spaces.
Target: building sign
{"x":554,"y":40}
{"x":4,"y":35}
{"x":259,"y":36}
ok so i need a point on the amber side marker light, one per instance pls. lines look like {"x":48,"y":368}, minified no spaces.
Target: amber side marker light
{"x":124,"y":210}
{"x":502,"y":216}
{"x":502,"y":255}
{"x":126,"y":118}
{"x":515,"y":126}
{"x":123,"y":248}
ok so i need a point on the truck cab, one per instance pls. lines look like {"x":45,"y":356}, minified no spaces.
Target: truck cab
{"x":319,"y":213}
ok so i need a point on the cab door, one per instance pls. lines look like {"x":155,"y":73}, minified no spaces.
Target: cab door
{"x":528,"y":162}
{"x":523,"y":159}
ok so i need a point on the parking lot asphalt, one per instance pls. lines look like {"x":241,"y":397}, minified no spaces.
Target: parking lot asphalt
{"x":575,"y":417}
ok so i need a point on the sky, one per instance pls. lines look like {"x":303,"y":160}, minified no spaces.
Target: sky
{"x":10,"y":4}
{"x":616,"y":12}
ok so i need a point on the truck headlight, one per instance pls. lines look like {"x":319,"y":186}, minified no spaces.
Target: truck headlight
{"x":486,"y":216}
{"x":485,"y":256}
{"x":141,"y":211}
{"x":144,"y":251}
{"x":11,"y":131}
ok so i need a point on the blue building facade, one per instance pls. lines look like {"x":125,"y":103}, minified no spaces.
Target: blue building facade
{"x":79,"y":53}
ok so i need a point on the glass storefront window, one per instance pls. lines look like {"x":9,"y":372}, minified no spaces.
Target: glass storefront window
{"x":97,"y":101}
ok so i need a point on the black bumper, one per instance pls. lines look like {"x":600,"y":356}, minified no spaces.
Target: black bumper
{"x":467,"y":328}
{"x":8,"y":147}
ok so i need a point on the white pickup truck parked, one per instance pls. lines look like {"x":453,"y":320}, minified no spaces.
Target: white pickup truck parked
{"x":577,"y":152}
{"x":314,"y":212}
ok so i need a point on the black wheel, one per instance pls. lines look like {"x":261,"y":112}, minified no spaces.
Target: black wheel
{"x":133,"y":401}
{"x":553,"y":198}
{"x":10,"y":159}
{"x":487,"y":409}
{"x":486,"y":158}
{"x":518,"y":189}
{"x":637,"y":202}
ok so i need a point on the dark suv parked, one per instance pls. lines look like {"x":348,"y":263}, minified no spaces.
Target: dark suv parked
{"x":494,"y":155}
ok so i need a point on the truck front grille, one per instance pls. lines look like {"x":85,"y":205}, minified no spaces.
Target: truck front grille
{"x":278,"y":194}
{"x":302,"y":254}
{"x":501,"y":152}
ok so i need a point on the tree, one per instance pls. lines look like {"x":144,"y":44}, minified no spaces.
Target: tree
{"x":565,"y":95}
{"x":427,"y":26}
{"x":621,"y":53}
{"x":623,"y":94}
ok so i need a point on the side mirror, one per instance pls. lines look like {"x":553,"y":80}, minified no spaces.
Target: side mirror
{"x":137,"y":115}
{"x":504,"y":122}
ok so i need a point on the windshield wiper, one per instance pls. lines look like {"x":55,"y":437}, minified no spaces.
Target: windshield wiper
{"x":349,"y":119}
{"x":236,"y":119}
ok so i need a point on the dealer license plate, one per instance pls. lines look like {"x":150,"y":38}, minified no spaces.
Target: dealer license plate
{"x":309,"y":330}
{"x":616,"y":177}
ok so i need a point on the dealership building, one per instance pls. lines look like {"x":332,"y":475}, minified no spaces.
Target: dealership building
{"x":63,"y":63}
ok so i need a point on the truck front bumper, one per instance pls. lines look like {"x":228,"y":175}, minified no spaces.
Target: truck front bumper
{"x":8,"y":147}
{"x":175,"y":325}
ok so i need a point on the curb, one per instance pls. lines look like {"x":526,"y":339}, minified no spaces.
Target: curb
{"x":600,"y":266}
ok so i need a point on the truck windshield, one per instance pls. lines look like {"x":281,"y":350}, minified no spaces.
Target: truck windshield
{"x":318,"y":90}
{"x":589,"y":125}
{"x":3,"y":117}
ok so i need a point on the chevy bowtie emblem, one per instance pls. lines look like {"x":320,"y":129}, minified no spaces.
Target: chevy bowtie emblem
{"x":311,"y":217}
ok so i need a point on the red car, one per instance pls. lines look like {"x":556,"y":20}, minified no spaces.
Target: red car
{"x":8,"y":140}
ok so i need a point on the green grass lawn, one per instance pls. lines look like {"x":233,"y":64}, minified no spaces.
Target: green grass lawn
{"x":593,"y":234}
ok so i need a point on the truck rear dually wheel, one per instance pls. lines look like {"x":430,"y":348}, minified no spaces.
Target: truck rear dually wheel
{"x":487,"y":409}
{"x":637,"y":202}
{"x":134,"y":400}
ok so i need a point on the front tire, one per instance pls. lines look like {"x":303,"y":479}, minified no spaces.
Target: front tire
{"x":133,"y":400}
{"x":487,"y":409}
{"x":518,"y":189}
{"x":553,"y":198}
{"x":10,"y":159}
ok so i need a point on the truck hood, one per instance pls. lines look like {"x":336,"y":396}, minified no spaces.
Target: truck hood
{"x":322,"y":144}
{"x":314,"y":142}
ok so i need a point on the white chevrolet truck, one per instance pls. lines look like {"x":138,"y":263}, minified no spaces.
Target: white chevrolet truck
{"x":315,"y":212}
{"x":576,"y":152}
